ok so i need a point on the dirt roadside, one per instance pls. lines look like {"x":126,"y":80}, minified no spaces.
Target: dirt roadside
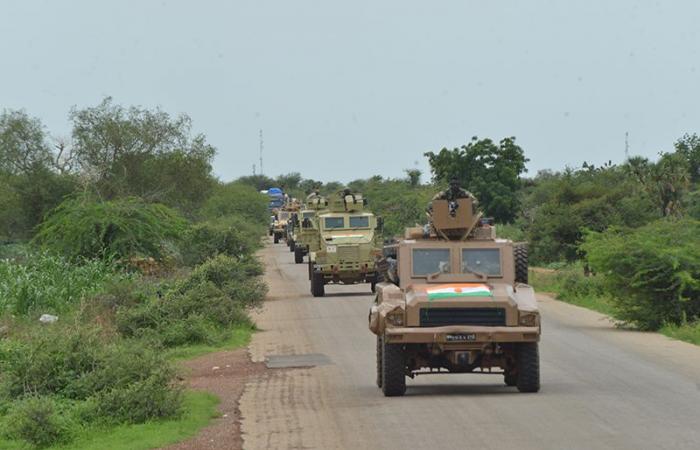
{"x":225,"y":375}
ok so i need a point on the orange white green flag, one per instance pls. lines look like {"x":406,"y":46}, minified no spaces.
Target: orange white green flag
{"x":459,"y":290}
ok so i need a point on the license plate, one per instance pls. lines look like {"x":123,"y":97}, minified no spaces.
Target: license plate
{"x":460,"y":337}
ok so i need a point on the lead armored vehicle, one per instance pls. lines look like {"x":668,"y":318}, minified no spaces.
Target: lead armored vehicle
{"x":455,"y":299}
{"x":345,"y":245}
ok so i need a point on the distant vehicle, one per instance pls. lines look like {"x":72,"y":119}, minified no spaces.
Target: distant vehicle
{"x":347,"y":241}
{"x":454,"y":298}
{"x":276,"y":196}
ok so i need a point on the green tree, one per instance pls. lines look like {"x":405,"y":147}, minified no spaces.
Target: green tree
{"x":258,"y":182}
{"x":23,"y":144}
{"x":413,"y":176}
{"x":491,"y":171}
{"x":237,"y":199}
{"x":689,"y":147}
{"x":665,"y":182}
{"x":145,"y":153}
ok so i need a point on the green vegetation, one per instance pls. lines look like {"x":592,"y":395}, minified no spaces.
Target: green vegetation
{"x":198,"y":409}
{"x":51,"y":284}
{"x":568,"y":283}
{"x":652,"y":273}
{"x":145,"y":258}
{"x":123,"y":228}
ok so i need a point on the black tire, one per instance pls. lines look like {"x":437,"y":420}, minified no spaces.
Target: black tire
{"x":528,"y":367}
{"x":292,"y":245}
{"x":373,"y":285}
{"x":298,"y":255}
{"x":393,"y":370}
{"x":510,"y":379}
{"x":317,"y":285}
{"x":521,"y":263}
{"x":311,"y":269}
{"x":277,"y":238}
{"x":379,"y":361}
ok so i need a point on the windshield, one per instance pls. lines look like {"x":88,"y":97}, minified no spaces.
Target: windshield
{"x":333,"y":222}
{"x":283,"y":216}
{"x":359,"y":222}
{"x":482,"y":260}
{"x":308,"y":215}
{"x":427,"y":261}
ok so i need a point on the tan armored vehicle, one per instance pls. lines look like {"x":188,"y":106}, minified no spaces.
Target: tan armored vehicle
{"x":345,"y":245}
{"x":455,"y":299}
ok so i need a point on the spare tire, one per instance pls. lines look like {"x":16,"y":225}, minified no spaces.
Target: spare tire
{"x":521,"y":263}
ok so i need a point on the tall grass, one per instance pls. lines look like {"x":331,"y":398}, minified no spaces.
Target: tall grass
{"x":44,"y":283}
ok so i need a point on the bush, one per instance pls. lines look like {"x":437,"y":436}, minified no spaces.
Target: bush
{"x":50,"y":284}
{"x":652,"y":273}
{"x":124,"y":228}
{"x":115,"y":382}
{"x":239,"y":200}
{"x":232,"y":236}
{"x":201,"y":308}
{"x":40,"y":421}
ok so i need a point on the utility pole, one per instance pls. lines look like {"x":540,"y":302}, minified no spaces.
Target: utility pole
{"x":253,"y":169}
{"x":627,"y":145}
{"x":261,"y":152}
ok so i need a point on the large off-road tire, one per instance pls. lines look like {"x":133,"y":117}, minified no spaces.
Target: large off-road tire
{"x":276,"y":238}
{"x":292,"y":245}
{"x":393,"y":370}
{"x":317,"y":285}
{"x":379,"y":361}
{"x":521,"y":263}
{"x":298,"y":255}
{"x":528,"y":367}
{"x":510,"y":378}
{"x":311,"y":269}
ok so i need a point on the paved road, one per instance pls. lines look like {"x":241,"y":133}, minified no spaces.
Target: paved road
{"x":602,"y":388}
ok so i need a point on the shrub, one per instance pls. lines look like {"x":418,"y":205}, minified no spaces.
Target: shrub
{"x":50,"y":284}
{"x":237,"y":199}
{"x":653,"y":272}
{"x":80,"y":364}
{"x":200,"y":308}
{"x":123,"y":228}
{"x":40,"y":421}
{"x":232,"y":236}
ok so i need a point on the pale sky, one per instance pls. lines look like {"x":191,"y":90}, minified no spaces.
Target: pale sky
{"x":350,"y":89}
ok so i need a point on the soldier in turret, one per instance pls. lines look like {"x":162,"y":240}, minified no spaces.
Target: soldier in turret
{"x":454,"y":192}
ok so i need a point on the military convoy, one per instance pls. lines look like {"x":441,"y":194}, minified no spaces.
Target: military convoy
{"x":451,"y":297}
{"x":454,"y":298}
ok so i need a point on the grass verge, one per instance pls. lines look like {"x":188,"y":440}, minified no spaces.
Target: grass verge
{"x":199,"y":409}
{"x":687,"y":332}
{"x":569,"y":285}
{"x":239,"y":337}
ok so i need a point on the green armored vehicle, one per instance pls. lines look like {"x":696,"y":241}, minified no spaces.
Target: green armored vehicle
{"x":454,"y":299}
{"x":345,"y":245}
{"x":304,"y":234}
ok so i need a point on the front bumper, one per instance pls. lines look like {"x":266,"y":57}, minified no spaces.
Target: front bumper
{"x":477,"y":334}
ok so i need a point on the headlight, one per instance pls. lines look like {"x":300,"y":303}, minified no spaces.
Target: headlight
{"x":395,"y":318}
{"x":529,"y":319}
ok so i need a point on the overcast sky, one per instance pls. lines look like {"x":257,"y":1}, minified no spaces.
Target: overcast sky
{"x":346,"y":90}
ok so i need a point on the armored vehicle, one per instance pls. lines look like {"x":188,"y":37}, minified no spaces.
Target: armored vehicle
{"x":454,"y":298}
{"x":304,"y":234}
{"x":345,"y":245}
{"x":279,"y":225}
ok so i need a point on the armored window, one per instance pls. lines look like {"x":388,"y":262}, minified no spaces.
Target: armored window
{"x":431,"y":260}
{"x":359,"y":221}
{"x":284,"y":215}
{"x":308,"y":215}
{"x":482,"y":260}
{"x":333,"y":222}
